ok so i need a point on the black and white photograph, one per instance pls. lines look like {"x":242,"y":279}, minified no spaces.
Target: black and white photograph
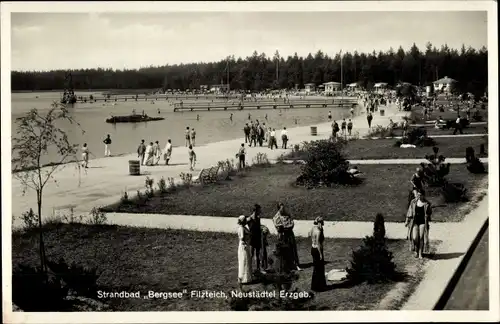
{"x":180,"y":158}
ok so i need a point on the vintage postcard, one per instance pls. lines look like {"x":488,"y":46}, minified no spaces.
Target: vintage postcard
{"x":307,"y":161}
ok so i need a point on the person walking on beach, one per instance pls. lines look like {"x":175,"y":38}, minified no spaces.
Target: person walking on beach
{"x":335,"y":129}
{"x":141,"y":151}
{"x":284,"y":138}
{"x":253,"y":135}
{"x":192,"y":158}
{"x":231,"y":117}
{"x":343,"y":126}
{"x":188,"y":137}
{"x":329,"y":115}
{"x":168,"y":151}
{"x":272,"y":139}
{"x":255,"y":234}
{"x":352,"y":112}
{"x":107,"y":144}
{"x":197,"y":117}
{"x":242,"y":152}
{"x":156,"y":153}
{"x":246,"y":131}
{"x":85,"y":156}
{"x":318,"y":280}
{"x":369,"y":118}
{"x":192,"y":136}
{"x":148,"y":158}
{"x":349,"y":127}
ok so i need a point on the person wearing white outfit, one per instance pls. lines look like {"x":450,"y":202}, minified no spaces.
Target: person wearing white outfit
{"x":168,"y":151}
{"x":148,"y":156}
{"x":107,"y":144}
{"x":244,"y":252}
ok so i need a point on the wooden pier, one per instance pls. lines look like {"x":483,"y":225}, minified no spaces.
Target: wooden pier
{"x":336,"y":103}
{"x":155,"y":98}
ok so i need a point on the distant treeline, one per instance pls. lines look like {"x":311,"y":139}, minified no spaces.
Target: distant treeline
{"x":467,"y":65}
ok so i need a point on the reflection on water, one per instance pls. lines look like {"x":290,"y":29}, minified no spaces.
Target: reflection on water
{"x":212,"y":126}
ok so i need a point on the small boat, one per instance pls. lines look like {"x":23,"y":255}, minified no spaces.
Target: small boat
{"x":132,"y":119}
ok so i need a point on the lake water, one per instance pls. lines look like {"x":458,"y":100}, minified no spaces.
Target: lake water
{"x":213,"y":126}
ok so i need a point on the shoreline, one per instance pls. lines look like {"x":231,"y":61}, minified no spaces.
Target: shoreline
{"x":241,"y":138}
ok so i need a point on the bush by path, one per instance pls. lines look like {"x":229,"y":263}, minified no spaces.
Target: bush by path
{"x":384,"y":189}
{"x":136,"y":259}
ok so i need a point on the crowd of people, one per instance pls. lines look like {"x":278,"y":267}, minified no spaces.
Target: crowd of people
{"x":253,"y":246}
{"x":257,"y":133}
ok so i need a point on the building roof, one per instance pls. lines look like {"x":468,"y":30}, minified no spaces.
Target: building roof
{"x":355,"y":84}
{"x":309,"y":84}
{"x":445,"y":80}
{"x":380,"y":84}
{"x":332,"y":83}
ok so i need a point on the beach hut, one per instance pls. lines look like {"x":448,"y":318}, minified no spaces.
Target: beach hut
{"x":445,"y":84}
{"x":352,"y":86}
{"x":310,"y":87}
{"x":331,"y":87}
{"x":219,"y":88}
{"x":380,"y":86}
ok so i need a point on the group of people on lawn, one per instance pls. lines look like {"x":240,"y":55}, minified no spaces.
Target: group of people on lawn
{"x":253,"y":244}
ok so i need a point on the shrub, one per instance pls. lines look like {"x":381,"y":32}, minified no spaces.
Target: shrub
{"x":260,"y":159}
{"x":187,"y":179}
{"x":82,"y":280}
{"x":381,"y":131}
{"x":325,"y":165}
{"x":97,"y":217}
{"x":149,"y":187}
{"x":162,"y":185}
{"x":124,"y":198}
{"x":418,"y":137}
{"x":34,"y":291}
{"x":30,"y":220}
{"x":373,"y":262}
{"x":453,"y":192}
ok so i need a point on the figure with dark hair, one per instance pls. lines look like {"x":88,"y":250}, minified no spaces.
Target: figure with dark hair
{"x":256,"y":234}
{"x":417,"y":180}
{"x":284,"y":225}
{"x":418,"y":220}
{"x":318,"y":281}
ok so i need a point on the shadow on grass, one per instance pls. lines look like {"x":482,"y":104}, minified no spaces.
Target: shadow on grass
{"x":445,"y":256}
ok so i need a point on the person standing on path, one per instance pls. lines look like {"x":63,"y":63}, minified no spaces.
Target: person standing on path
{"x":255,"y":234}
{"x":284,"y":138}
{"x":192,"y":136}
{"x":272,"y":139}
{"x":168,"y":151}
{"x":318,"y":281}
{"x":156,"y":152}
{"x":149,"y":154}
{"x":107,"y":144}
{"x":253,"y":135}
{"x":335,"y":129}
{"x":246,"y":131}
{"x":349,"y":127}
{"x":244,"y":252}
{"x":458,"y":126}
{"x":192,"y":158}
{"x":188,"y":137}
{"x":85,"y":156}
{"x":242,"y":152}
{"x":418,"y":220}
{"x":261,"y":134}
{"x":369,"y":118}
{"x":141,"y":151}
{"x":343,"y":126}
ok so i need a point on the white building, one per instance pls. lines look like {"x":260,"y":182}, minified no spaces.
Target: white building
{"x":331,"y":87}
{"x":219,"y":88}
{"x":445,"y":84}
{"x":310,"y":87}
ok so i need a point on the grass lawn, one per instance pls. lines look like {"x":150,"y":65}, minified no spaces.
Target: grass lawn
{"x":136,"y":259}
{"x":385,"y":149}
{"x":384,"y":189}
{"x":418,"y":117}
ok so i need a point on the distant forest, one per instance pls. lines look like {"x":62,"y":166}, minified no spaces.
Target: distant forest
{"x":467,"y":65}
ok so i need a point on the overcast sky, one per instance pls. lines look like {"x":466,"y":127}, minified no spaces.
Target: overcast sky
{"x":44,"y":41}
